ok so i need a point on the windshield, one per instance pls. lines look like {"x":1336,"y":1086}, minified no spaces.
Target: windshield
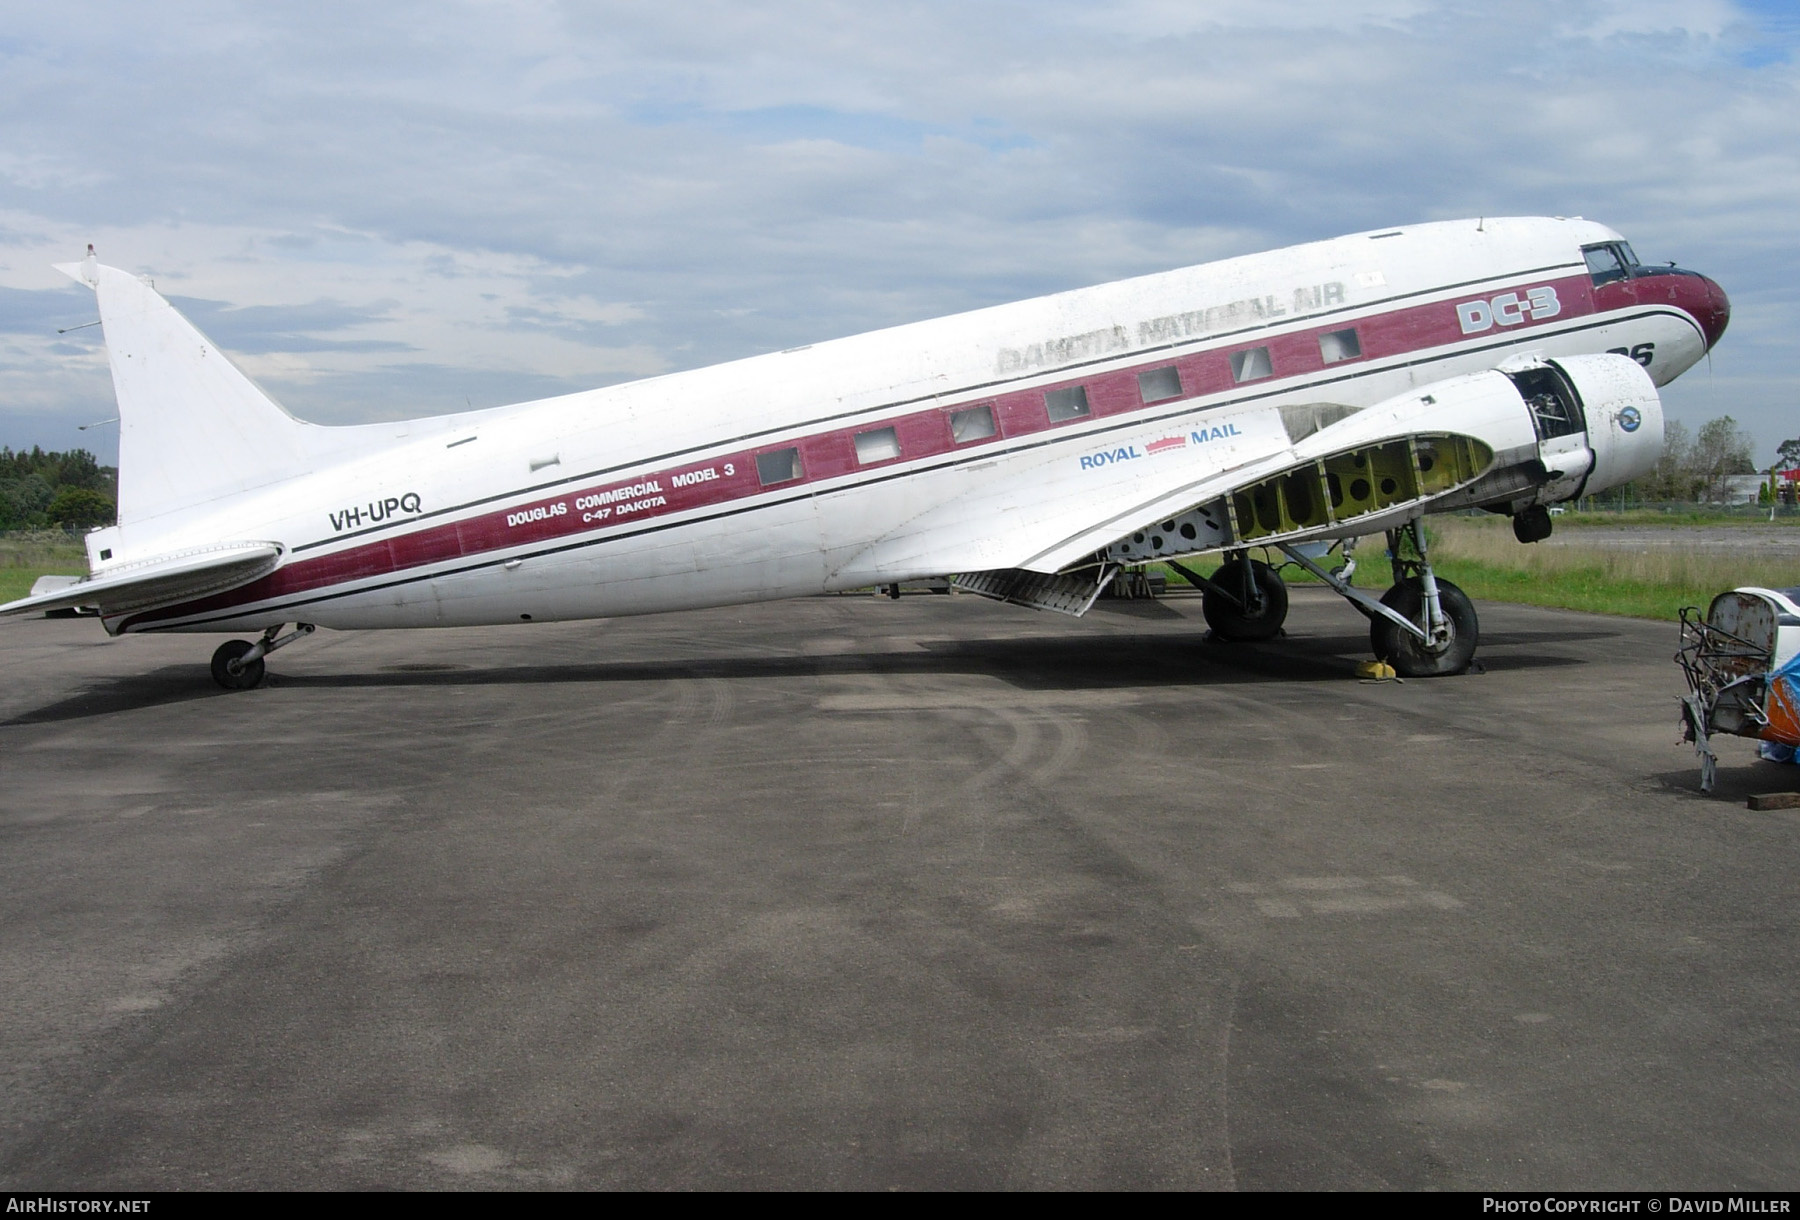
{"x":1610,"y":261}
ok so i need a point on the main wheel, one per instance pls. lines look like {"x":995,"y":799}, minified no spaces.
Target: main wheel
{"x":1234,"y":622}
{"x":246,"y":677}
{"x":1412,"y":657}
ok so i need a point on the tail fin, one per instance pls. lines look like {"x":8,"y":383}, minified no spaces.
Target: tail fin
{"x":192,"y":428}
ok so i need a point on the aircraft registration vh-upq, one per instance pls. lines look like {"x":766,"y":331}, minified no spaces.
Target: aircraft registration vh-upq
{"x":1030,"y":452}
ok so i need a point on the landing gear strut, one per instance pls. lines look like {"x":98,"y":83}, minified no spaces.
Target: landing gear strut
{"x":1424,"y":627}
{"x":1440,"y":633}
{"x":238,"y":664}
{"x":1448,"y":652}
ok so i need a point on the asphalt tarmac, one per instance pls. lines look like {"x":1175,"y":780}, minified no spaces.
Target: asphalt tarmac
{"x":849,"y":892}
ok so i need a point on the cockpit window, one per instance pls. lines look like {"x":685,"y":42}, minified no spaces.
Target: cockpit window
{"x":1611,"y":261}
{"x":1604,"y":263}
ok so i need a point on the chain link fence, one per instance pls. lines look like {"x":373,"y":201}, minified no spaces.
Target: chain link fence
{"x":1602,"y":505}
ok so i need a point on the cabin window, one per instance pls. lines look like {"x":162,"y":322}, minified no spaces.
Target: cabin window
{"x":1339,"y":345}
{"x":880,"y":445}
{"x":1066,"y":404}
{"x":972,"y":424}
{"x":778,"y":466}
{"x":1159,"y":384}
{"x":1251,"y":363}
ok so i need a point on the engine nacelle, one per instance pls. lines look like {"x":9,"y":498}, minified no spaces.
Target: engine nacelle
{"x":1586,"y":422}
{"x":1624,"y":418}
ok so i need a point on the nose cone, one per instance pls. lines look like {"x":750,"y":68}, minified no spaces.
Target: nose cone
{"x":1712,"y":311}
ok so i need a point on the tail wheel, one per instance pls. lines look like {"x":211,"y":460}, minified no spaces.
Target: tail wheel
{"x":246,"y":677}
{"x":1233,"y":620}
{"x":1412,"y":657}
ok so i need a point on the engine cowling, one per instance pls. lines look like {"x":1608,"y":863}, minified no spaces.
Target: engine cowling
{"x":1624,"y":419}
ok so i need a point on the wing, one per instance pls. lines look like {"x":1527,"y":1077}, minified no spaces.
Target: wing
{"x":1269,"y":475}
{"x":1011,"y":515}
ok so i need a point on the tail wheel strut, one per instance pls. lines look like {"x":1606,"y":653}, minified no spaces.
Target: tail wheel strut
{"x":238,"y":664}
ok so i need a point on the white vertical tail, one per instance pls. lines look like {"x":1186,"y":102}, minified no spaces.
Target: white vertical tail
{"x":192,"y":428}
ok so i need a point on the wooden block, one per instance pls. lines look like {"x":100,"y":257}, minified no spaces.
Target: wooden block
{"x":1776,"y":800}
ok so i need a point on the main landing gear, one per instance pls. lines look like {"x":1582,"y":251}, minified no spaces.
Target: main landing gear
{"x":1245,"y":601}
{"x":1424,"y":627}
{"x":238,"y":664}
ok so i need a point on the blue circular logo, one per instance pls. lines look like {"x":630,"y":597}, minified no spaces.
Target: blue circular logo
{"x":1630,"y":418}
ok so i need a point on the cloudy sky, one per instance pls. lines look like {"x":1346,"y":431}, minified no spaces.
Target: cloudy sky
{"x":392,"y":210}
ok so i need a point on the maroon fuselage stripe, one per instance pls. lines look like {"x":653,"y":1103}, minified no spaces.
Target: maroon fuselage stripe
{"x":832,"y":454}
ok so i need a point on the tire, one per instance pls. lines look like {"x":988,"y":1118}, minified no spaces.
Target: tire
{"x":247,"y":678}
{"x":1533,"y":524}
{"x":1410,"y":656}
{"x":1230,"y":622}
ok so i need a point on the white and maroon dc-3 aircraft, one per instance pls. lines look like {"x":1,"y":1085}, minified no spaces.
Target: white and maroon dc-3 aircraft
{"x":1031,"y":451}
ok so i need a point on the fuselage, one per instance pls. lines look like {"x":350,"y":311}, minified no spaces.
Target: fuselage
{"x":801,"y":472}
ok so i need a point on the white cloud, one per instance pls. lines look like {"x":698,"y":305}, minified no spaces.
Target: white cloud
{"x":543,"y":196}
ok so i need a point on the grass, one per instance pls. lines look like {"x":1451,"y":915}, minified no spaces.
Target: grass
{"x":26,"y":555}
{"x":1483,"y":557}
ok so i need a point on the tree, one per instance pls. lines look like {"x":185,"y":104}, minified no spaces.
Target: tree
{"x":78,"y":468}
{"x":1787,"y":454}
{"x":1670,"y":480}
{"x":75,"y":468}
{"x":1721,"y":448}
{"x":79,"y":508}
{"x":23,"y":500}
{"x":32,"y":481}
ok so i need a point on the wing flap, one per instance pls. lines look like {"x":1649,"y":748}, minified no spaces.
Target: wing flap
{"x":1072,"y":595}
{"x":166,"y":580}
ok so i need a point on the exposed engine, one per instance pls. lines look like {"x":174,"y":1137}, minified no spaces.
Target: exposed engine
{"x":1512,"y":441}
{"x":1599,"y":424}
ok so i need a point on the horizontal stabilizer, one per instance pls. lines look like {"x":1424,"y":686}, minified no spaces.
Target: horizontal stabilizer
{"x":166,"y":580}
{"x":1069,"y":594}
